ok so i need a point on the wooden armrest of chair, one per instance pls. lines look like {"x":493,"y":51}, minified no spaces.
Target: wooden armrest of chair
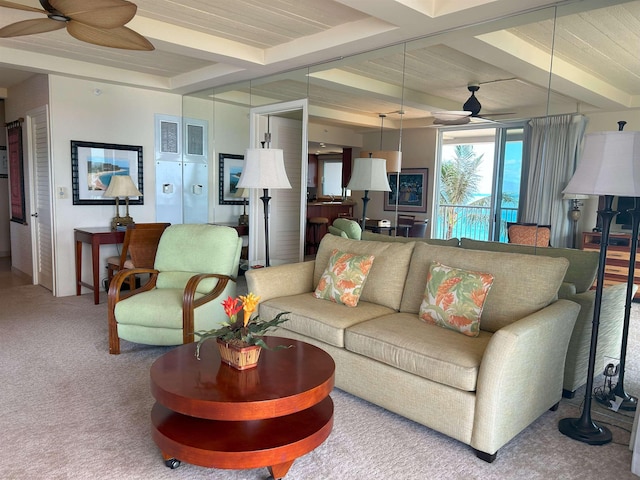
{"x":190,"y":303}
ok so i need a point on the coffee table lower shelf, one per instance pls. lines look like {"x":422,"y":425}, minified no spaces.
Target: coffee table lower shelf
{"x":274,"y":442}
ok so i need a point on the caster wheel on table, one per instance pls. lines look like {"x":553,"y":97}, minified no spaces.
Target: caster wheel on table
{"x":172,"y":463}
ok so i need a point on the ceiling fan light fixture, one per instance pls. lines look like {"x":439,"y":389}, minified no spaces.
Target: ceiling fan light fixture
{"x":472,"y":104}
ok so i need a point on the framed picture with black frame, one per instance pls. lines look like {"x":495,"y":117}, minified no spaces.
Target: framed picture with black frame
{"x":230,"y":167}
{"x":413,"y":190}
{"x":92,"y":166}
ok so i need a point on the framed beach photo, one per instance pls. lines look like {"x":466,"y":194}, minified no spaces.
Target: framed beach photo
{"x":93,"y":165}
{"x":413,"y":190}
{"x":230,"y":168}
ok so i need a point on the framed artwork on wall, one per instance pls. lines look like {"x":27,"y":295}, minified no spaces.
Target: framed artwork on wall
{"x":16,"y":172}
{"x":230,"y":168}
{"x":92,"y":166}
{"x":413,"y":190}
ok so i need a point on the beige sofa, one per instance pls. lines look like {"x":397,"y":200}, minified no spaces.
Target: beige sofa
{"x":479,"y":390}
{"x":575,"y":286}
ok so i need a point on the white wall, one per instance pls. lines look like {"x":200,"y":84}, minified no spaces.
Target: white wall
{"x":120,"y":115}
{"x":5,"y":238}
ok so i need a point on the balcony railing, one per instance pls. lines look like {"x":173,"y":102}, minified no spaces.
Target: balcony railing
{"x":457,"y":221}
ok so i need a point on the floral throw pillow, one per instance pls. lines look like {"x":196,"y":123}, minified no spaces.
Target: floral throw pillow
{"x":344,"y":278}
{"x":454,"y":298}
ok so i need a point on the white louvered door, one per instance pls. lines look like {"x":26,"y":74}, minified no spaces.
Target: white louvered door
{"x":41,"y":218}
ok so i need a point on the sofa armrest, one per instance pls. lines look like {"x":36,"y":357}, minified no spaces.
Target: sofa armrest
{"x":281,"y":281}
{"x":609,"y":333}
{"x":521,"y":374}
{"x":566,"y":290}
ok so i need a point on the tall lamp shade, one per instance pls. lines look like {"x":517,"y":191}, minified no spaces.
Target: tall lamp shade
{"x":609,"y":166}
{"x":393,"y":158}
{"x":264,"y":168}
{"x":369,"y":174}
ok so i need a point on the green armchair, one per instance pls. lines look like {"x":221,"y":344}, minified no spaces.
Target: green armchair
{"x":194,"y":271}
{"x":343,"y":227}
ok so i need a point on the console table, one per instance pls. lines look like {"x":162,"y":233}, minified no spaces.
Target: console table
{"x":94,"y":236}
{"x":616,"y":268}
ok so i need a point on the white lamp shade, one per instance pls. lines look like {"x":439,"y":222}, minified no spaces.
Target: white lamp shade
{"x":369,"y":174}
{"x":610,"y":165}
{"x":393,"y":158}
{"x":121,"y":186}
{"x":264,"y":168}
{"x":241,"y":193}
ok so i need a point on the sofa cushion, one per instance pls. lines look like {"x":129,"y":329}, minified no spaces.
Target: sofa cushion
{"x":405,"y":342}
{"x":344,"y":278}
{"x":385,"y":282}
{"x":319,"y":319}
{"x":522,"y":284}
{"x":454,"y":298}
{"x":583,"y":264}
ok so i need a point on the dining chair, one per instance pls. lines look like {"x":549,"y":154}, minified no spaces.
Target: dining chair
{"x":405,"y":223}
{"x":138,"y":249}
{"x":529,"y":234}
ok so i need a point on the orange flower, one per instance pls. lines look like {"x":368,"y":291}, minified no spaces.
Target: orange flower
{"x":231,"y":307}
{"x":249,"y":303}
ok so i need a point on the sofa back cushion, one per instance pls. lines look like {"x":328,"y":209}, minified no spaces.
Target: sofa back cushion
{"x":383,"y":237}
{"x":388,"y":273}
{"x":522,"y":284}
{"x":583,"y":264}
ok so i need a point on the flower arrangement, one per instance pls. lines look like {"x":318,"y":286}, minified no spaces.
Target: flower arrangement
{"x":242,"y":332}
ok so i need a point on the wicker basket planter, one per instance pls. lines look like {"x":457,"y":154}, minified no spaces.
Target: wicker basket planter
{"x":239,"y":355}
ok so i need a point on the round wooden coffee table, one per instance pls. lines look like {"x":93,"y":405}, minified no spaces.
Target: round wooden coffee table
{"x":209,"y":414}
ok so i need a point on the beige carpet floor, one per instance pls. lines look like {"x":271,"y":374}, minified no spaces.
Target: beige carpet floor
{"x":69,"y":410}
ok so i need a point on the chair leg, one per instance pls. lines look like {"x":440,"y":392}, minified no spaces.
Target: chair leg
{"x":114,"y":340}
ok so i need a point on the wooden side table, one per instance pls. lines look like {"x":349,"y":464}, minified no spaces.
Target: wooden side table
{"x":209,"y":414}
{"x":94,"y":236}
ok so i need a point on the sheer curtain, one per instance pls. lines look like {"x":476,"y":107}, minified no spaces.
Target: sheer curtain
{"x":551,"y":148}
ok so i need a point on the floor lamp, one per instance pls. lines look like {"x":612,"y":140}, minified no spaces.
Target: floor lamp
{"x":626,"y":401}
{"x":393,"y":165}
{"x":264,"y":168}
{"x":606,"y":168}
{"x":368,"y":174}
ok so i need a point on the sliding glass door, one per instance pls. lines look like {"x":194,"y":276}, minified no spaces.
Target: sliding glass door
{"x":478,"y":176}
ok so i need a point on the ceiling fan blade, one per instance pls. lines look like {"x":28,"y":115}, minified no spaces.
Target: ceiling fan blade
{"x":30,"y":27}
{"x":18,"y":6}
{"x":98,"y":13}
{"x":120,"y":37}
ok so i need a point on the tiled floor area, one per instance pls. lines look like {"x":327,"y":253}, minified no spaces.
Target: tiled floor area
{"x":9,"y":278}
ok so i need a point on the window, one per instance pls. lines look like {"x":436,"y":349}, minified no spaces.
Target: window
{"x":478,"y":178}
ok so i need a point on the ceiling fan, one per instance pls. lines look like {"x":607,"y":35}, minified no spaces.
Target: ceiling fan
{"x":470,"y":111}
{"x":100,"y":22}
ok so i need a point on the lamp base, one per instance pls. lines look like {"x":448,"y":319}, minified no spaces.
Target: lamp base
{"x":589,"y":433}
{"x":121,"y":222}
{"x":243,"y":220}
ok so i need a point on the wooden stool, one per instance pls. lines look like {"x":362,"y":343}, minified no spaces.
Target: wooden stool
{"x":314,"y":241}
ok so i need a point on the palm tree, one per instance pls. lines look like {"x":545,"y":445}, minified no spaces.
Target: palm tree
{"x":459,"y":182}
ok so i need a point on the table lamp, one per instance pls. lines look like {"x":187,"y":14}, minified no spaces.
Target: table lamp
{"x":608,"y":167}
{"x":121,"y":186}
{"x":244,"y":194}
{"x":369,"y":174}
{"x":264,"y":168}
